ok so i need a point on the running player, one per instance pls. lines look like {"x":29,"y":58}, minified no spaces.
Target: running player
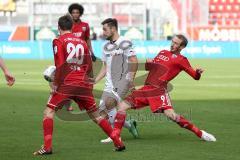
{"x":162,"y":69}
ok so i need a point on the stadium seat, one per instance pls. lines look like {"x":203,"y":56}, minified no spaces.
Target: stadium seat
{"x":224,"y":12}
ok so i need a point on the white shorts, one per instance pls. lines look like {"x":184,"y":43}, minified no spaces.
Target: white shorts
{"x":118,"y":92}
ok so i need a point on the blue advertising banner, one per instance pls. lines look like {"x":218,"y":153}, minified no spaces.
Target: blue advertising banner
{"x":144,"y":49}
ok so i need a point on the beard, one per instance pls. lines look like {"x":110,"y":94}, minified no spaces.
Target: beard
{"x":109,"y":38}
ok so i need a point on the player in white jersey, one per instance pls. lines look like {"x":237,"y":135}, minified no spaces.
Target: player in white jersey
{"x":119,"y":67}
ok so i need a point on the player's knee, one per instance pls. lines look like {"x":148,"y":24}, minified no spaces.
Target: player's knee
{"x":110,"y":103}
{"x":48,"y":113}
{"x":103,"y":114}
{"x":94,"y":115}
{"x":123,"y":106}
{"x":170,"y":114}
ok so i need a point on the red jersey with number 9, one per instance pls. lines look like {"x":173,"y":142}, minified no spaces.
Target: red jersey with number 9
{"x":73,"y":64}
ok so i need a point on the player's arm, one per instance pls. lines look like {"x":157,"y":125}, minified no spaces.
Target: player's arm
{"x":58,"y":53}
{"x":196,"y":74}
{"x":148,"y":64}
{"x":133,"y":67}
{"x":58,"y":58}
{"x":8,"y":76}
{"x":102,"y":73}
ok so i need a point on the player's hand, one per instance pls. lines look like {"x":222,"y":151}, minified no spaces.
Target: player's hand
{"x":199,"y":70}
{"x":94,"y":58}
{"x":9,"y":78}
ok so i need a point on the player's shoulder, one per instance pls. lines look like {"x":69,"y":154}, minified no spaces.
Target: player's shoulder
{"x":164,"y":52}
{"x":123,"y":38}
{"x":57,"y":41}
{"x":83,"y":23}
{"x":182,"y":57}
{"x":124,"y":42}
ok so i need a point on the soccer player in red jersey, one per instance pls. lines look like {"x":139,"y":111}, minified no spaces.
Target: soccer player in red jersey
{"x":8,"y":76}
{"x":162,"y":69}
{"x":80,"y":29}
{"x":73,"y":68}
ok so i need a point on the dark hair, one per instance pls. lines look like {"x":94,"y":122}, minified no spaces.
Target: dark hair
{"x":111,"y":22}
{"x":65,"y":22}
{"x":76,"y":6}
{"x":183,"y":38}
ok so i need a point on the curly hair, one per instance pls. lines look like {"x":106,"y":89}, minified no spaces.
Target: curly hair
{"x":76,"y":6}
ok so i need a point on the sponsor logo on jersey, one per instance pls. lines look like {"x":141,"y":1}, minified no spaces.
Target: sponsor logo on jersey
{"x":162,"y":57}
{"x":78,"y":34}
{"x":84,"y":29}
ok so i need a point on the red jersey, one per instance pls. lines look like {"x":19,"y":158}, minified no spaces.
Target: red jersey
{"x":166,"y":66}
{"x":81,"y":30}
{"x":73,"y":64}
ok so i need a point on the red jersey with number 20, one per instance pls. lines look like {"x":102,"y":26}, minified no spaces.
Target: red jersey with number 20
{"x":166,"y":66}
{"x":73,"y":64}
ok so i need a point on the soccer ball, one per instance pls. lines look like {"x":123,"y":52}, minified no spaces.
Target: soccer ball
{"x":49,"y":73}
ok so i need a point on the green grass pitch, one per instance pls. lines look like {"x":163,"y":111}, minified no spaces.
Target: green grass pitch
{"x":211,"y":103}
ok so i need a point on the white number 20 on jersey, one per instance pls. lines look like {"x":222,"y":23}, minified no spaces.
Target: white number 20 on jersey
{"x":76,"y":53}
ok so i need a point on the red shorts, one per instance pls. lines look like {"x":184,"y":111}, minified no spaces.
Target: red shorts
{"x":57,"y":100}
{"x":149,"y":96}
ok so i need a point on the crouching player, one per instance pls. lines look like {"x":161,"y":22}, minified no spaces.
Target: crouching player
{"x":71,"y":82}
{"x":162,"y":69}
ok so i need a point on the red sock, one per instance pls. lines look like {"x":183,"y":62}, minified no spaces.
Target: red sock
{"x":106,"y":127}
{"x":119,"y":120}
{"x":184,"y":123}
{"x":47,"y":133}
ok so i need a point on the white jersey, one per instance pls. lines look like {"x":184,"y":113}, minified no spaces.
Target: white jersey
{"x":115,"y":55}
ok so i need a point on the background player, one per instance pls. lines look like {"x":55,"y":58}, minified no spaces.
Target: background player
{"x":81,"y":29}
{"x":119,"y":66}
{"x":73,"y":66}
{"x":162,"y":69}
{"x":8,"y":76}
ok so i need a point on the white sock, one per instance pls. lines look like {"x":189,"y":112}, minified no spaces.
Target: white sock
{"x":111,"y":116}
{"x":127,"y":124}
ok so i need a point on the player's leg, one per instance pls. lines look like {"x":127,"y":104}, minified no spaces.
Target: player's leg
{"x":120,"y":117}
{"x":106,"y":127}
{"x":184,"y":123}
{"x":47,"y":125}
{"x":111,"y":105}
{"x":67,"y":104}
{"x":132,"y":101}
{"x":90,"y":105}
{"x":55,"y":102}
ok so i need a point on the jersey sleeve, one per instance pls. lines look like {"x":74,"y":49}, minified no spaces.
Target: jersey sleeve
{"x":185,"y":65}
{"x":130,"y":50}
{"x":58,"y":53}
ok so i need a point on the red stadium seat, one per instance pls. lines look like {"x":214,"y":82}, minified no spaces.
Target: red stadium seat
{"x":224,"y":12}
